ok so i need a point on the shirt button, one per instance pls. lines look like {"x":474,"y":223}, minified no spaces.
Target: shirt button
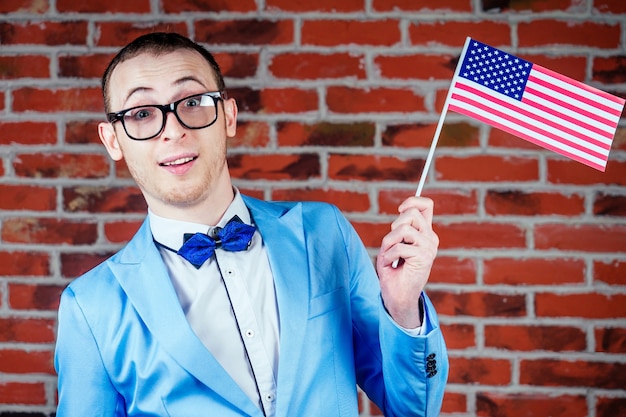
{"x":269,"y":397}
{"x":249,"y":333}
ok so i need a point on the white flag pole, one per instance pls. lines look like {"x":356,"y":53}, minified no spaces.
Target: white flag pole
{"x":433,"y":145}
{"x":444,"y":111}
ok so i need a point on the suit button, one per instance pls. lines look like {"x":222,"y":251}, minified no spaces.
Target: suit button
{"x":430,"y":357}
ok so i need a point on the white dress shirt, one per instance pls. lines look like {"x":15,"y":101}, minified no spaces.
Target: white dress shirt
{"x":230,"y":303}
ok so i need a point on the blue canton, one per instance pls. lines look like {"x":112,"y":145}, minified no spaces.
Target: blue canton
{"x":495,"y":69}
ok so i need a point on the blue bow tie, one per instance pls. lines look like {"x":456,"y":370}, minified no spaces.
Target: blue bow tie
{"x":234,"y":237}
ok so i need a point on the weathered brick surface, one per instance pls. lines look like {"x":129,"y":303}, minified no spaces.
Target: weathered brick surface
{"x":338,"y":102}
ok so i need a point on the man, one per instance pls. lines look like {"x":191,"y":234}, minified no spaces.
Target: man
{"x":285,"y":320}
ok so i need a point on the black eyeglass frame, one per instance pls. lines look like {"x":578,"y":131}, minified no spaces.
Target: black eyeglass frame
{"x":167,"y":108}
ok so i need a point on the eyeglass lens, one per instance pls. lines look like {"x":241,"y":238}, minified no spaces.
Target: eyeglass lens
{"x":193,"y":112}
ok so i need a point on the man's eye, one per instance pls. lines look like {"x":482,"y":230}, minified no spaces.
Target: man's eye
{"x":140,"y":114}
{"x":192,"y":102}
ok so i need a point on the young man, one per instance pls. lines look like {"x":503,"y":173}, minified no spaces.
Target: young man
{"x":278,"y":312}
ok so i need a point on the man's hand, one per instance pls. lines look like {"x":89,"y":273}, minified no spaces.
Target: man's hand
{"x":413,"y":242}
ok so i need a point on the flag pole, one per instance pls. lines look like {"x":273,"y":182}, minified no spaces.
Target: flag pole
{"x":433,"y":145}
{"x":444,"y":111}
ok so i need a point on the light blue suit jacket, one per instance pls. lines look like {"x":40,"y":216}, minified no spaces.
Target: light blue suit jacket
{"x":125,"y":348}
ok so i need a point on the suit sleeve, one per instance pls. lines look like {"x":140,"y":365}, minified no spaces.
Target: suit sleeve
{"x":83,"y":383}
{"x":404,"y":375}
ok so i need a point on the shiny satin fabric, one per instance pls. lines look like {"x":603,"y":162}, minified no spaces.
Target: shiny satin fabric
{"x":124,"y":347}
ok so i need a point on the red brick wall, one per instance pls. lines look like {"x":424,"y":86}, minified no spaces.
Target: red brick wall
{"x":339,"y":100}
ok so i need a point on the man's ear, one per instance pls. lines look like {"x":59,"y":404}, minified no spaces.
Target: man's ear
{"x":107,"y":134}
{"x":230,"y":114}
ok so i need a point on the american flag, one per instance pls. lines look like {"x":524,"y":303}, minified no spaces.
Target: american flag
{"x":536,"y":104}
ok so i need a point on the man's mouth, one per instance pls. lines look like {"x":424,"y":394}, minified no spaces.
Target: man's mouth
{"x":177,"y":162}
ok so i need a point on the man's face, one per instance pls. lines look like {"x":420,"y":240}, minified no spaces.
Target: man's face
{"x":180,"y":167}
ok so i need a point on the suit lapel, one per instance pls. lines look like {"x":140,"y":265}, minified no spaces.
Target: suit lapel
{"x":143,"y":276}
{"x":283,"y":234}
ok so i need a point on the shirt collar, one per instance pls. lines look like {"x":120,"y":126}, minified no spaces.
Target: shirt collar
{"x":169,"y":232}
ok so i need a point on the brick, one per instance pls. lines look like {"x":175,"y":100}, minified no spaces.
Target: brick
{"x":38,"y":297}
{"x":347,"y":201}
{"x":371,"y":233}
{"x":315,"y":66}
{"x":609,"y":205}
{"x":533,"y":271}
{"x":556,"y":32}
{"x":374,"y":100}
{"x":48,"y":231}
{"x":523,"y":405}
{"x":180,"y":6}
{"x":275,"y":100}
{"x":28,"y":133}
{"x":609,"y":6}
{"x":27,"y":330}
{"x":501,"y":139}
{"x":28,"y":393}
{"x":611,"y":273}
{"x":122,"y":33}
{"x":446,"y":201}
{"x":275,"y":166}
{"x":562,"y":171}
{"x":24,"y":6}
{"x":122,"y":231}
{"x":459,"y":336}
{"x":121,"y":170}
{"x":103,"y":199}
{"x":454,"y":402}
{"x":535,"y":338}
{"x":250,"y":134}
{"x":61,"y":165}
{"x":120,"y":6}
{"x":288,"y":100}
{"x":76,"y":264}
{"x":350,"y":32}
{"x":24,"y":263}
{"x":16,"y":361}
{"x":83,"y":66}
{"x":326,"y":134}
{"x":44,"y":33}
{"x":562,"y":373}
{"x":82,"y":132}
{"x":521,"y":203}
{"x":245,"y":31}
{"x":480,"y":235}
{"x":609,"y":406}
{"x":24,"y":66}
{"x":453,"y":33}
{"x":477,"y":370}
{"x":422,"y":5}
{"x":609,"y":70}
{"x":29,"y":99}
{"x":581,"y":237}
{"x":237,"y":64}
{"x":452,"y":270}
{"x":417,"y":66}
{"x":587,"y":305}
{"x":610,"y":339}
{"x":487,"y":168}
{"x":538,"y":6}
{"x":478,"y":304}
{"x":452,"y":135}
{"x":303,"y":6}
{"x":26,"y":197}
{"x":373,"y":168}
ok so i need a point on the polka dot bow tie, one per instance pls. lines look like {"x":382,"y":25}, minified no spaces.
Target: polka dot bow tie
{"x":236,"y":236}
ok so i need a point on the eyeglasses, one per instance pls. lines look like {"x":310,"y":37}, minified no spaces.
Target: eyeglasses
{"x":146,"y":122}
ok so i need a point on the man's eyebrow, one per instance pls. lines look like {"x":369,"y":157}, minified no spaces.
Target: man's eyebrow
{"x":189,"y":78}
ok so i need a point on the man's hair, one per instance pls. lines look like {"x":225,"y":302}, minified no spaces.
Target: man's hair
{"x":156,"y":44}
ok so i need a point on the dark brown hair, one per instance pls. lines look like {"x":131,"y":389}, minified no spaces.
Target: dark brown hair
{"x":158,"y":43}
